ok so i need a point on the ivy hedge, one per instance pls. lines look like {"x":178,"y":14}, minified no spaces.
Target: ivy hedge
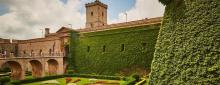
{"x":114,"y":52}
{"x":188,"y":46}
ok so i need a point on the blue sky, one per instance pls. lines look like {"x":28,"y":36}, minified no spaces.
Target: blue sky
{"x":24,"y":19}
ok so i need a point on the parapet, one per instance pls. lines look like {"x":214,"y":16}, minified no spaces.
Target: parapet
{"x":97,"y":2}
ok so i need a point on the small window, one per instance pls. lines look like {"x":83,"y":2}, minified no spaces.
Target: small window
{"x":91,"y":13}
{"x":40,"y":53}
{"x":122,"y":47}
{"x":50,"y":51}
{"x":104,"y":47}
{"x":32,"y":51}
{"x":24,"y":52}
{"x":102,"y":14}
{"x":91,"y":25}
{"x":88,"y":48}
{"x":144,"y":45}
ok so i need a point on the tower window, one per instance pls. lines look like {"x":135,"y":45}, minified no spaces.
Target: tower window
{"x":91,"y":25}
{"x":102,"y":14}
{"x":91,"y":13}
{"x":122,"y":47}
{"x":88,"y":48}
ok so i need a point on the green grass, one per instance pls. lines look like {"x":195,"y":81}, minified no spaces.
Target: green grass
{"x":82,"y":82}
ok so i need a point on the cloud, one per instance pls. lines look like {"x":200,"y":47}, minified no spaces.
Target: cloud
{"x":25,"y":18}
{"x":142,"y":9}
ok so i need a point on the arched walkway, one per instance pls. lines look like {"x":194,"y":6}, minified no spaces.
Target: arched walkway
{"x":37,"y":68}
{"x":52,"y":66}
{"x":16,"y":70}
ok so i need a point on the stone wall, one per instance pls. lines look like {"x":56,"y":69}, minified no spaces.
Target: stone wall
{"x":46,"y":46}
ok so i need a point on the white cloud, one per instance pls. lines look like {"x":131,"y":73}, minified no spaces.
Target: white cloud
{"x":26,"y":17}
{"x":142,"y":9}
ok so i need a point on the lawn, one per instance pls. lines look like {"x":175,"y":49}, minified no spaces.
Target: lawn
{"x":81,"y":82}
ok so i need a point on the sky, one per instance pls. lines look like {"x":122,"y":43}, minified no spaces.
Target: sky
{"x":26,"y":19}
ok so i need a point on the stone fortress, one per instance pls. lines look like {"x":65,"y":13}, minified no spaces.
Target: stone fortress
{"x":48,"y":55}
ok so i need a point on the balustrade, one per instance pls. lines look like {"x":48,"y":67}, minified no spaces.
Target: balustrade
{"x":34,"y":55}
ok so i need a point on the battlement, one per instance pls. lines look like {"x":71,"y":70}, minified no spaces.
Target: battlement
{"x":97,"y":2}
{"x":146,"y":21}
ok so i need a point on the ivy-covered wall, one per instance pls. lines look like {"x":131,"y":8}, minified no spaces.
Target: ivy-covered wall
{"x":188,"y":46}
{"x":114,"y":52}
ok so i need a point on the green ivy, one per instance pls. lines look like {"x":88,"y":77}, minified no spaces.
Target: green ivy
{"x":138,"y":51}
{"x":188,"y":47}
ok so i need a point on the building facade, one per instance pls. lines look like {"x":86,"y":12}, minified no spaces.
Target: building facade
{"x":100,"y":48}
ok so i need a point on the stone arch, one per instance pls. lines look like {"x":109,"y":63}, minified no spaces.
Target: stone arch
{"x":37,"y":68}
{"x":52,"y":66}
{"x":17,"y":72}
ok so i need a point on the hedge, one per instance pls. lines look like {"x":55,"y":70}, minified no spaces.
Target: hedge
{"x":30,"y":80}
{"x":4,"y":80}
{"x":188,"y":46}
{"x":134,"y":78}
{"x":102,"y":52}
{"x":19,"y":82}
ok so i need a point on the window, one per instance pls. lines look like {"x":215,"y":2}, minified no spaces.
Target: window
{"x":102,"y":14}
{"x":32,"y":52}
{"x":88,"y":48}
{"x":40,"y":53}
{"x":50,"y":51}
{"x":104,"y":47}
{"x":91,"y":25}
{"x":144,"y":45}
{"x":91,"y":13}
{"x":24,"y":52}
{"x":122,"y":47}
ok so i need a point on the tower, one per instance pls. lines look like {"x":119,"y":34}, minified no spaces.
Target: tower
{"x":96,"y":14}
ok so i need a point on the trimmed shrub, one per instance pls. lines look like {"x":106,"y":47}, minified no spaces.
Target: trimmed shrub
{"x":132,"y":80}
{"x":19,"y":82}
{"x":188,"y":47}
{"x":4,"y":80}
{"x":4,"y":70}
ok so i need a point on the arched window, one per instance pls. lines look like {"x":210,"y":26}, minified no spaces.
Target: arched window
{"x":40,"y":53}
{"x":50,"y":52}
